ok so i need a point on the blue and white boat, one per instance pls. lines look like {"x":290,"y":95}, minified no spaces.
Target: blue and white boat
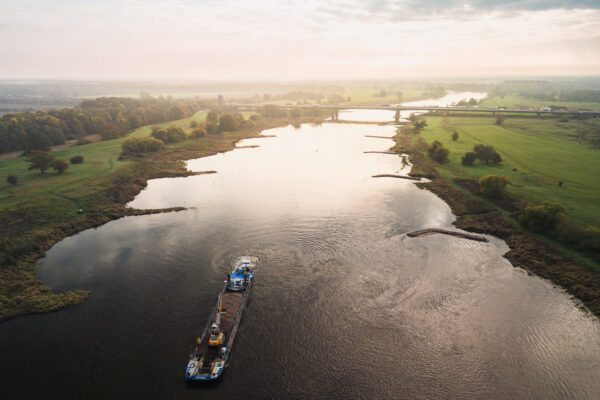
{"x":209,"y":358}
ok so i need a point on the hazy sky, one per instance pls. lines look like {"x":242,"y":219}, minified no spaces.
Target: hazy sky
{"x":289,"y":39}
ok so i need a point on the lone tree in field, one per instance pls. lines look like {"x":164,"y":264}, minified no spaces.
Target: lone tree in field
{"x":59,"y":165}
{"x":438,"y":152}
{"x":41,"y":160}
{"x":468,"y":159}
{"x":493,"y":186}
{"x":455,"y":136}
{"x":76,"y":160}
{"x":487,"y":154}
{"x":541,"y":217}
{"x":12,"y":179}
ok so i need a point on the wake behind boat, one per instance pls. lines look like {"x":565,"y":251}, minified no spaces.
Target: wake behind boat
{"x":212,"y":350}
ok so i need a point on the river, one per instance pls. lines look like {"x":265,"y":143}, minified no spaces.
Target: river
{"x":345,"y":304}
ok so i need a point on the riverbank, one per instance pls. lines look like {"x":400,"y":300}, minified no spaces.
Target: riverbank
{"x":32,"y":229}
{"x":477,"y":215}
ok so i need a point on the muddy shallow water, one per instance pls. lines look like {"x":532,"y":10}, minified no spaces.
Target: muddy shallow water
{"x":345,"y":304}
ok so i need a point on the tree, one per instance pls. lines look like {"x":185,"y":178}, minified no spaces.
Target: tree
{"x":212,"y":117}
{"x":135,"y":145}
{"x":59,"y":165}
{"x":198,"y":133}
{"x":12,"y":179}
{"x":455,"y":136}
{"x":493,"y":186}
{"x":41,"y":160}
{"x":487,"y":154}
{"x":541,"y":217}
{"x":76,"y":159}
{"x":468,"y":159}
{"x":229,"y":123}
{"x":419,"y":124}
{"x":438,"y":152}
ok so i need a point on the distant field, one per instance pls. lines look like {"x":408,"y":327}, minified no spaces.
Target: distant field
{"x":99,"y":158}
{"x":541,"y":151}
{"x":366,"y":95}
{"x":514,"y":101}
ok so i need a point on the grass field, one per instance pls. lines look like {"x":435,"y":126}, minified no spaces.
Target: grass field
{"x":537,"y":154}
{"x":514,"y":101}
{"x":100,"y":158}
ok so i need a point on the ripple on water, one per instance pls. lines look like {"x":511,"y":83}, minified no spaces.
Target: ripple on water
{"x":345,"y":305}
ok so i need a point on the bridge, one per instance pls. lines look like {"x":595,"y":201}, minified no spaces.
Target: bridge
{"x":335,"y":109}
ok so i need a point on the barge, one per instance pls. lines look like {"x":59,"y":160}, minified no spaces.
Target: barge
{"x":213,"y":348}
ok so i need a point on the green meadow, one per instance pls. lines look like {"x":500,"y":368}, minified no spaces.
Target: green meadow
{"x":516,"y":101}
{"x":537,"y":155}
{"x":100,"y":158}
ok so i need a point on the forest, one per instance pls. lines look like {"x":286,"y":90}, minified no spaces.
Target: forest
{"x":107,"y":117}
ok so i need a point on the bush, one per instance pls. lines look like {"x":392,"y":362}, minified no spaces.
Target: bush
{"x":229,"y":123}
{"x":487,"y":154}
{"x":499,"y":121}
{"x":419,"y":124}
{"x":82,"y":141}
{"x":59,"y":165}
{"x":455,"y":136}
{"x":12,"y":179}
{"x":198,"y":133}
{"x":169,"y":135}
{"x":468,"y":159}
{"x":193,"y":124}
{"x":493,"y":186}
{"x":438,"y":152}
{"x":76,"y":160}
{"x":591,"y":240}
{"x":541,"y":217}
{"x":134,"y":145}
{"x":41,"y":160}
{"x":254,"y":117}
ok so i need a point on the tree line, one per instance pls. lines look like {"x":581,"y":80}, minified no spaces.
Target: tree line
{"x":109,"y":117}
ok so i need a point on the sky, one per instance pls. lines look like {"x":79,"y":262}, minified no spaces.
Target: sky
{"x":296,"y":39}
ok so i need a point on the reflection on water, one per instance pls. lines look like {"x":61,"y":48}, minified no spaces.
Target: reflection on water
{"x":345,"y":305}
{"x":387,"y":116}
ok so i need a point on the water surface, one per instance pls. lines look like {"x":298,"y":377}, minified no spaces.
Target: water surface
{"x":345,"y":305}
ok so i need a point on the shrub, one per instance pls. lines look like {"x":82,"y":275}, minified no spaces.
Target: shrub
{"x":76,"y":159}
{"x":198,"y":133}
{"x":591,"y":240}
{"x":254,"y":117}
{"x":455,"y":136}
{"x":169,"y":135}
{"x":41,"y":160}
{"x":134,"y":145}
{"x":468,"y":159}
{"x":59,"y":165}
{"x":419,"y":124}
{"x":12,"y":179}
{"x":493,"y":186}
{"x":438,"y":152}
{"x":229,"y":123}
{"x":193,"y":124}
{"x":499,"y":121}
{"x":487,"y":154}
{"x":82,"y":141}
{"x":541,"y":217}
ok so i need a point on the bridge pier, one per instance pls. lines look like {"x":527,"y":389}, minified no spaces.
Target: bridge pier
{"x":397,"y":117}
{"x":335,"y":115}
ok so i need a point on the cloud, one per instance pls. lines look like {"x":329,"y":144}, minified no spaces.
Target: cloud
{"x":436,"y":9}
